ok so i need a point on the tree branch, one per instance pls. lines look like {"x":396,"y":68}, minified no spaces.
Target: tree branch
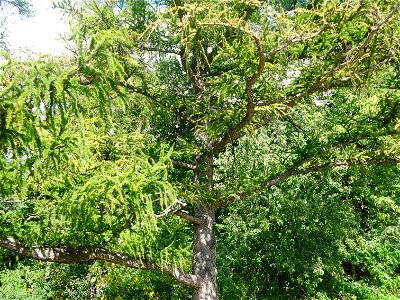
{"x":175,"y":208}
{"x":295,"y":171}
{"x":198,"y":83}
{"x":184,"y":165}
{"x":172,"y":208}
{"x":190,"y":218}
{"x":156,"y":49}
{"x":290,"y":100}
{"x":157,"y":100}
{"x":80,"y":255}
{"x":234,"y":133}
{"x":145,"y":94}
{"x":319,"y":85}
{"x":295,"y":40}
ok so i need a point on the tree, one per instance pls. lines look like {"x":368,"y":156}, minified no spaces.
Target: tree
{"x":115,"y":153}
{"x":326,"y":235}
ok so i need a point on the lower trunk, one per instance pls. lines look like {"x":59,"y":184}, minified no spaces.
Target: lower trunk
{"x":204,"y":255}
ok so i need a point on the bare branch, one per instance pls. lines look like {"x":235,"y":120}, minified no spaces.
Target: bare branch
{"x":175,"y":208}
{"x":172,"y":208}
{"x":68,"y":254}
{"x":190,"y":218}
{"x":156,"y":49}
{"x":184,"y":165}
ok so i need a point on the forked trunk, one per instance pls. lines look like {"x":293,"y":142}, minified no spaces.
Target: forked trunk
{"x":204,"y":255}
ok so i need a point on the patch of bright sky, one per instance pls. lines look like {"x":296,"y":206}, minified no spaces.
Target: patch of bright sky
{"x":40,"y":34}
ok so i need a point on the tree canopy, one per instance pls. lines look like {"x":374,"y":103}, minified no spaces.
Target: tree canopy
{"x":174,"y":118}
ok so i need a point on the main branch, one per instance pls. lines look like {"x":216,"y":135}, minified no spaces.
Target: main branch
{"x":80,"y":255}
{"x":235,"y":132}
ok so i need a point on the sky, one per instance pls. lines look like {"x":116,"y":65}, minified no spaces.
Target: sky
{"x":40,"y":33}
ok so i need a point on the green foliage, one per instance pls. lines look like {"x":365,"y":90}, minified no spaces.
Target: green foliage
{"x":122,"y":283}
{"x":68,"y":281}
{"x":33,"y":280}
{"x":193,"y":102}
{"x":25,"y":282}
{"x":88,"y":174}
{"x":319,"y":237}
{"x":293,"y":237}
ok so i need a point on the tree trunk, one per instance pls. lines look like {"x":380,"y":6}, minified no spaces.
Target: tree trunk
{"x":204,"y":254}
{"x":204,"y":241}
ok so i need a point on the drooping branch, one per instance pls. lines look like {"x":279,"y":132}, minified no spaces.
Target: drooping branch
{"x":296,"y":171}
{"x":358,"y":50}
{"x":291,"y":100}
{"x":80,"y":255}
{"x":198,"y":84}
{"x":304,"y":37}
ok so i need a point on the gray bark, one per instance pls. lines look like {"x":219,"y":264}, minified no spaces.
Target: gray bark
{"x":204,"y":255}
{"x":82,"y":254}
{"x":204,"y":240}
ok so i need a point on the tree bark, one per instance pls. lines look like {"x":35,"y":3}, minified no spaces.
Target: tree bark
{"x":204,"y":254}
{"x":86,"y":254}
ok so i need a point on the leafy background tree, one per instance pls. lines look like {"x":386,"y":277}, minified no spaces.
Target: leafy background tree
{"x":271,"y":125}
